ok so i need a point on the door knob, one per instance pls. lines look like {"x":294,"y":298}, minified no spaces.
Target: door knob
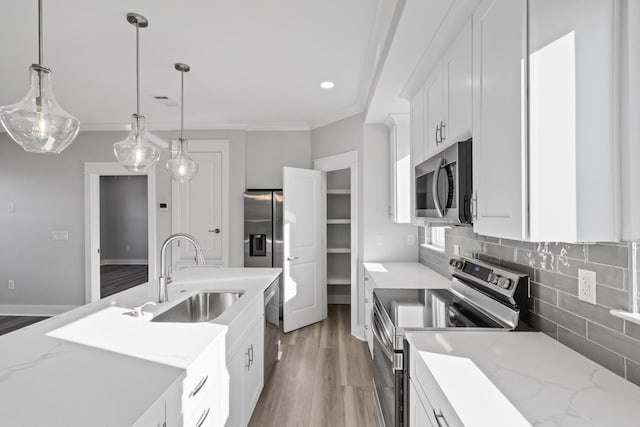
{"x":215,"y":230}
{"x":292,"y":258}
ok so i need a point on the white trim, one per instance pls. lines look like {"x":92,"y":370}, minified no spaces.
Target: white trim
{"x":92,"y":173}
{"x":131,"y":261}
{"x":336,"y":116}
{"x":34,"y":310}
{"x":207,"y":146}
{"x":278,"y":126}
{"x":629,"y":317}
{"x":349,"y":160}
{"x":163,"y":127}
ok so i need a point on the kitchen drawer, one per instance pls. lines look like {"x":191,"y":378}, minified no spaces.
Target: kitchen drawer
{"x":420,"y":410}
{"x":431,"y":392}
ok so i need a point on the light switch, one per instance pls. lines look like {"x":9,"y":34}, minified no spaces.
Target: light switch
{"x":12,"y":207}
{"x":411,"y":240}
{"x":379,"y":240}
{"x":60,"y":235}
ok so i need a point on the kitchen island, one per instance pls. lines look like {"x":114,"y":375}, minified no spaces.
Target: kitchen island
{"x":97,"y":366}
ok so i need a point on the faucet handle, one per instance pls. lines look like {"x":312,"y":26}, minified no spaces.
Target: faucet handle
{"x":137,"y":311}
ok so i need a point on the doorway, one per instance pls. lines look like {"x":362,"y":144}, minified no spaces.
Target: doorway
{"x":120,"y":229}
{"x":124,"y":244}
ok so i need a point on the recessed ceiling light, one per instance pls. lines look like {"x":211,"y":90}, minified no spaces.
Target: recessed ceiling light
{"x":327,"y":85}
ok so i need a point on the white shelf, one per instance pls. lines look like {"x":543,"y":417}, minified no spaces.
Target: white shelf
{"x":339,"y":191}
{"x":338,"y":250}
{"x":338,"y":281}
{"x":338,"y":221}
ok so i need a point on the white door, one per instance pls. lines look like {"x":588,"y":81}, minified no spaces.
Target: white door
{"x":304,"y":269}
{"x":500,"y":119}
{"x":200,"y":206}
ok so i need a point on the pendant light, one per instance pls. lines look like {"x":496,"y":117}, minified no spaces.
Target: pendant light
{"x":135,"y":153}
{"x":181,"y":167}
{"x":37,"y":123}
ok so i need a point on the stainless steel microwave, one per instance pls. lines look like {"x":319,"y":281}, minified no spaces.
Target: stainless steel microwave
{"x":444,"y":185}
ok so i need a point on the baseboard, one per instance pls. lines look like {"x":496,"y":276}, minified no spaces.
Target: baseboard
{"x":34,"y":310}
{"x":339,"y":299}
{"x":124,"y":261}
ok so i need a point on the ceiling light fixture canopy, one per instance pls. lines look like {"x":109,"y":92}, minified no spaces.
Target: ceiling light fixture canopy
{"x":38,"y":123}
{"x":181,"y":167}
{"x":135,"y":152}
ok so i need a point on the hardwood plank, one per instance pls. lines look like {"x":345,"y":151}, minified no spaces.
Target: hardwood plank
{"x":117,"y":278}
{"x":324,"y":378}
{"x":13,"y":323}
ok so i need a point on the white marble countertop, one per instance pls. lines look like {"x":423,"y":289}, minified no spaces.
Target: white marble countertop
{"x":93,"y":366}
{"x":404,"y":275}
{"x":543,"y":381}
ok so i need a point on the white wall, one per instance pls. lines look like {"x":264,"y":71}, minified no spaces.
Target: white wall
{"x":375,"y":170}
{"x":339,"y":137}
{"x":269,"y":151}
{"x":123,"y":219}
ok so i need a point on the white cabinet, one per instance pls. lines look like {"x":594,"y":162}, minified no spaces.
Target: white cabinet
{"x":434,"y":112}
{"x":246,"y":371}
{"x":420,"y":412}
{"x":166,"y":411}
{"x":499,"y":119}
{"x":545,"y":165}
{"x":399,"y":168}
{"x":416,"y":127}
{"x":368,"y":309}
{"x":458,"y":89}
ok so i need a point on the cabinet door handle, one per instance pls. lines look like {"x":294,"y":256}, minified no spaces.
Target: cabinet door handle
{"x":366,"y":300}
{"x":437,"y":134}
{"x":199,"y":386}
{"x":439,"y":417}
{"x":248,"y":365}
{"x":443,"y":126}
{"x":251,"y":357}
{"x":474,"y":206}
{"x":202,"y":418}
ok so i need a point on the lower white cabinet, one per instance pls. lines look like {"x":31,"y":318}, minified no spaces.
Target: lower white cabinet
{"x":246,"y":372}
{"x":420,"y":413}
{"x":368,"y":308}
{"x":166,"y":411}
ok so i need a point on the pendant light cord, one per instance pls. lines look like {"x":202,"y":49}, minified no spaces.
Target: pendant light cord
{"x":137,"y":68}
{"x":181,"y":103}
{"x":40,"y":36}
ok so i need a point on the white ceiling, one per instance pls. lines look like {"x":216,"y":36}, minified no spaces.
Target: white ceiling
{"x":255,"y":63}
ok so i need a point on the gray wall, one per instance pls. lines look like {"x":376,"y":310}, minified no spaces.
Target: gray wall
{"x":48,"y":192}
{"x":123,"y":219}
{"x":339,"y":137}
{"x":269,"y":151}
{"x":553,"y":267}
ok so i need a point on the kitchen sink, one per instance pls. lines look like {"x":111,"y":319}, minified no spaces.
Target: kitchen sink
{"x":201,"y":307}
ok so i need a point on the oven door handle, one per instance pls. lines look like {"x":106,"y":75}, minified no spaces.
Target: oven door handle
{"x":378,"y":314}
{"x":436,"y":180}
{"x":376,"y":332}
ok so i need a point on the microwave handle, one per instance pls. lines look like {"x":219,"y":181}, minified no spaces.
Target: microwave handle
{"x":436,"y":178}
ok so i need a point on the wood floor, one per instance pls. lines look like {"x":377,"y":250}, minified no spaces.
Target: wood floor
{"x":324,"y":378}
{"x":117,"y":278}
{"x":13,"y":323}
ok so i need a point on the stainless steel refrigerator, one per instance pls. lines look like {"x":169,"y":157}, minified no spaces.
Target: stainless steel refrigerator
{"x":263,"y":221}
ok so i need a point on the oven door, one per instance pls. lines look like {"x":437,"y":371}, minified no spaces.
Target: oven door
{"x":388,"y":381}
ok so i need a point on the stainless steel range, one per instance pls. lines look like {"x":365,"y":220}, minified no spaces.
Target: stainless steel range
{"x":482,"y":296}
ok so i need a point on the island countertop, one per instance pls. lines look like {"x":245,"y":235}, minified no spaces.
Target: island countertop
{"x":523,"y":378}
{"x":92,"y":366}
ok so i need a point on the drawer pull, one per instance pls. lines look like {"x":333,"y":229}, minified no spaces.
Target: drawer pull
{"x":439,"y":417}
{"x":202,"y":418}
{"x":199,"y":386}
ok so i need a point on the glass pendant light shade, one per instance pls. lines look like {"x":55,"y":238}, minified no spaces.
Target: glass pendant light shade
{"x":135,"y":153}
{"x":181,"y":167}
{"x":37,"y":123}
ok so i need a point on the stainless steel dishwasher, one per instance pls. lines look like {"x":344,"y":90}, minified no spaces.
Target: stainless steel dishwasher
{"x":271,"y":327}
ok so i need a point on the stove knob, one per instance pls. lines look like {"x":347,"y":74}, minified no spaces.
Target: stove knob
{"x":452,"y":262}
{"x":459,"y":265}
{"x":504,"y":283}
{"x":493,"y":278}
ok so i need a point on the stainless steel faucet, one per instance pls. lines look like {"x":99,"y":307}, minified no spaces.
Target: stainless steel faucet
{"x":164,"y":278}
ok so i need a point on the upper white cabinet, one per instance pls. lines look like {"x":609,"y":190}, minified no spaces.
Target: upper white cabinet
{"x":400,"y":167}
{"x":416,"y":135}
{"x":434,"y":113}
{"x":458,"y":88}
{"x":499,"y":119}
{"x":544,"y":165}
{"x":573,"y":170}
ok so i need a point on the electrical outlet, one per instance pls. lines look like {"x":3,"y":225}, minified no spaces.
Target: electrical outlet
{"x":60,"y":235}
{"x":456,"y":250}
{"x":11,"y":284}
{"x":411,"y":240}
{"x":587,"y":286}
{"x":379,"y":240}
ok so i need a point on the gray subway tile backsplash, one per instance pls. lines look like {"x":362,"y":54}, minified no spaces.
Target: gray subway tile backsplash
{"x":555,"y":308}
